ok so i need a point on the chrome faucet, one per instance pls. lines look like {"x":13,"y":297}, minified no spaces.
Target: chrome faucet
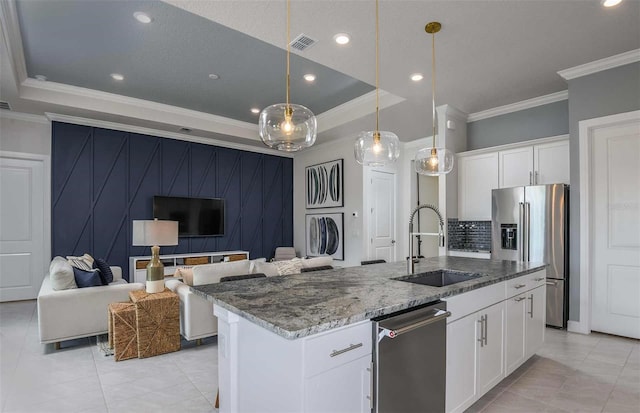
{"x":410,"y":266}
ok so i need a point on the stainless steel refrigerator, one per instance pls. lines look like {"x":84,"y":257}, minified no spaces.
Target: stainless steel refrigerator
{"x":531,"y":224}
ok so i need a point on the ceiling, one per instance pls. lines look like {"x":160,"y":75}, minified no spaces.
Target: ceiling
{"x":489,"y":53}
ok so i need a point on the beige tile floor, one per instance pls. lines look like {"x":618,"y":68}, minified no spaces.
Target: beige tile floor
{"x":572,"y":373}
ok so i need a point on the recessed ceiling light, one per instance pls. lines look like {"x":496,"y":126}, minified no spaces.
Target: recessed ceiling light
{"x":416,"y":77}
{"x":341,"y":38}
{"x":610,"y":3}
{"x":214,"y":76}
{"x":117,"y":76}
{"x":41,"y":78}
{"x":255,"y":111}
{"x":309,"y":77}
{"x":142,"y":17}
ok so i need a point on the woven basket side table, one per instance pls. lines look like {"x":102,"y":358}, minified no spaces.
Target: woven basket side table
{"x":157,"y":321}
{"x":123,"y":337}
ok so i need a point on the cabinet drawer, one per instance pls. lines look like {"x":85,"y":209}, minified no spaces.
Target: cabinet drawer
{"x":335,"y":348}
{"x":527,"y":282}
{"x":466,"y":303}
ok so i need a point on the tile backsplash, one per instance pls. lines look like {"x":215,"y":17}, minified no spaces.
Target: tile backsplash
{"x":469,"y":235}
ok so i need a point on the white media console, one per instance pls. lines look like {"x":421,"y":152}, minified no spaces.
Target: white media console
{"x":138,"y":265}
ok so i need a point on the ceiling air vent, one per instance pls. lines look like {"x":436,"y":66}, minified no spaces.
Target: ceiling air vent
{"x":302,"y":42}
{"x":5,"y":105}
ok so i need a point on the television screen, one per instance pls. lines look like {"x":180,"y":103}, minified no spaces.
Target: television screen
{"x":197,"y":217}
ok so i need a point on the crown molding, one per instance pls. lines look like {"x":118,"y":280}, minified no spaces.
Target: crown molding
{"x":13,"y":40}
{"x":355,"y":109}
{"x":56,"y":117}
{"x":607,"y":63}
{"x":27,"y":117}
{"x":518,"y":106}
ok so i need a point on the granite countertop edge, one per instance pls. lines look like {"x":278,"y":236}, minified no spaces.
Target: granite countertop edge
{"x":430,"y":295}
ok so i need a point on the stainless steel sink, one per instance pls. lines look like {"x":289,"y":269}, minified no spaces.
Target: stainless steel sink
{"x":439,"y":278}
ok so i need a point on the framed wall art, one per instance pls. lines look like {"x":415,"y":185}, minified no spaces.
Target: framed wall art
{"x":325,"y":235}
{"x":324,"y":185}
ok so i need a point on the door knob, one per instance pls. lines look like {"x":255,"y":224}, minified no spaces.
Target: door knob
{"x":393,"y":241}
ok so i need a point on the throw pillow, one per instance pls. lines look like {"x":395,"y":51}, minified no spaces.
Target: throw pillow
{"x":85,"y":262}
{"x":317,"y":262}
{"x":61,"y":274}
{"x":105,"y":271}
{"x":87,"y":278}
{"x":186,"y":273}
{"x":292,"y":266}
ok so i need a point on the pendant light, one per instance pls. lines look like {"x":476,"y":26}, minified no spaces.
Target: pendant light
{"x":376,"y":148}
{"x":286,"y":126}
{"x":433,"y":161}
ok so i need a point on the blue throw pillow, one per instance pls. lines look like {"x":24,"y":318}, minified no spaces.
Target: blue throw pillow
{"x":105,"y":271}
{"x":87,"y":278}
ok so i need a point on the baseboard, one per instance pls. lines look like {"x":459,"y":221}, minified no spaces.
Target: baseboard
{"x":577,"y":327}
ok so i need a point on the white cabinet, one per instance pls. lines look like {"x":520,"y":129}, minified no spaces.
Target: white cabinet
{"x":346,"y":388}
{"x":535,"y":320}
{"x":545,"y":163}
{"x":477,"y":176}
{"x":260,"y":371}
{"x":551,"y":163}
{"x":490,"y":369}
{"x":461,"y":363}
{"x":525,"y":323}
{"x":491,"y":332}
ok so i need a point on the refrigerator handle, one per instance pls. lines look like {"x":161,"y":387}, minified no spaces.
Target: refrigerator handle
{"x":521,"y":232}
{"x":527,"y":224}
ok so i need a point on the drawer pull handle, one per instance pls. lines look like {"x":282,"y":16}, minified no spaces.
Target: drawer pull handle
{"x":520,"y":286}
{"x":520,"y":299}
{"x":540,"y":279}
{"x":344,"y":350}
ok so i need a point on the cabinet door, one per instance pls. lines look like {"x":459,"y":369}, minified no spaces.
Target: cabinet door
{"x":514,"y":332}
{"x":346,"y":388}
{"x":516,"y":167}
{"x":535,"y":319}
{"x":462,"y":337}
{"x":551,"y":163}
{"x":477,"y":176}
{"x":491,"y":350}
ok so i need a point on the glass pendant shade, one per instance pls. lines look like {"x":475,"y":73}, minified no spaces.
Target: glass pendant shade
{"x":287,"y":127}
{"x":433,"y":161}
{"x":372,"y":150}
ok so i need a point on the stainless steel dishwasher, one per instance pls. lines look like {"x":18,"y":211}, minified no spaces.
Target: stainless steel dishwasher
{"x":410,"y":359}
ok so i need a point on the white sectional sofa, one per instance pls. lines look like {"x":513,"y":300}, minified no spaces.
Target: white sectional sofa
{"x":79,"y":312}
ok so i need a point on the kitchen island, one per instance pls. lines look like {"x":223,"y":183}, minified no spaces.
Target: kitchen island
{"x":277,"y":337}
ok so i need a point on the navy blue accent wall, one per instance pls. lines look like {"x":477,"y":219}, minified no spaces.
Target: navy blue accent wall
{"x":103,"y":179}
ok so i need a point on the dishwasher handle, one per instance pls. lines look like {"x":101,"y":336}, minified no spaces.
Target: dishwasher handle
{"x":439,"y":315}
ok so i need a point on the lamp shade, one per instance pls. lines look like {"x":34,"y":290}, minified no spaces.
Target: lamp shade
{"x":433,"y":161}
{"x":155,"y":232}
{"x":287,"y":127}
{"x":377,"y":148}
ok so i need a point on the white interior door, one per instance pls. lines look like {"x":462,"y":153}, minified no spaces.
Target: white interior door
{"x":382,"y":222}
{"x":22,"y":220}
{"x":616,"y":230}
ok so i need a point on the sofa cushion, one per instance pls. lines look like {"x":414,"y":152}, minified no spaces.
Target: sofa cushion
{"x":186,"y":273}
{"x":317,"y":262}
{"x":87,"y":278}
{"x":252,"y":265}
{"x":105,"y":271}
{"x":84,"y":262}
{"x":211,"y":273}
{"x":266,"y":268}
{"x":61,"y":274}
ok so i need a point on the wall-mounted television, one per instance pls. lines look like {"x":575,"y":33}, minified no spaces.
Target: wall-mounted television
{"x":197,"y":217}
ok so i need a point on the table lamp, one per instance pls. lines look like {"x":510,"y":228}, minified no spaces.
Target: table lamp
{"x":154,"y":234}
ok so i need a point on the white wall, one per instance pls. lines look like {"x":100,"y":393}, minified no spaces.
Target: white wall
{"x":353,"y":193}
{"x":24,"y":133}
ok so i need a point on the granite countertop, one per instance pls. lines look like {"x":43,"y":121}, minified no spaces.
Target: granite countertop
{"x":299,"y":305}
